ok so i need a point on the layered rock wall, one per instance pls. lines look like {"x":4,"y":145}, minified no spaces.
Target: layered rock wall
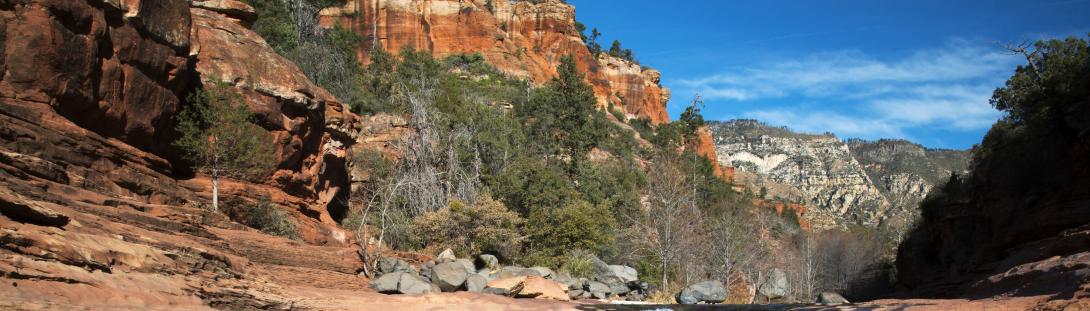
{"x":93,"y":86}
{"x":520,"y":38}
{"x":878,"y":184}
{"x":832,"y":182}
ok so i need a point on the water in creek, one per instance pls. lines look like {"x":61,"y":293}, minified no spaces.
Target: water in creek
{"x":709,"y":307}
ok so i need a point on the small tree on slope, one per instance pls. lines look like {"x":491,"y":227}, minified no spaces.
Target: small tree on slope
{"x":220,"y":139}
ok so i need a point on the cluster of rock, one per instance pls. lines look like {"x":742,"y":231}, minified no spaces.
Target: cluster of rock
{"x":485,"y":275}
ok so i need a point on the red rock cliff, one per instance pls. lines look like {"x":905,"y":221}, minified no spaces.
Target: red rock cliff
{"x":523,"y":39}
{"x":91,"y":87}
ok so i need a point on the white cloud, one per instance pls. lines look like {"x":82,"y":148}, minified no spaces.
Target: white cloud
{"x":859,"y":95}
{"x":823,"y":121}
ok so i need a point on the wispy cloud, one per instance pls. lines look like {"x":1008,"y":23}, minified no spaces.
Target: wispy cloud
{"x":859,"y":95}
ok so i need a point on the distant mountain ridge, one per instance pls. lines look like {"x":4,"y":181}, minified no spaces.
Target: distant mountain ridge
{"x":871,"y":183}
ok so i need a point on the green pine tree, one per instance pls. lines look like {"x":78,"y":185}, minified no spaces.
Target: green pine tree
{"x":219,"y":137}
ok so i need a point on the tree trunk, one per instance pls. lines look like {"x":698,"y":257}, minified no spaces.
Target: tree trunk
{"x":215,"y":192}
{"x":665,"y":285}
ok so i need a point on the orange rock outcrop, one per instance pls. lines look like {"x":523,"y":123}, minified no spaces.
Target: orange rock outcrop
{"x":520,"y":38}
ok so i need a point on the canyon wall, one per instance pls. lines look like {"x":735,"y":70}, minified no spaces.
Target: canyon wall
{"x":521,"y":38}
{"x":1017,"y":225}
{"x":876,"y":184}
{"x":92,"y":87}
{"x":905,"y":172}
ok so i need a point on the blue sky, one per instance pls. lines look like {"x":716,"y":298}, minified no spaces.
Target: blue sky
{"x":919,"y":70}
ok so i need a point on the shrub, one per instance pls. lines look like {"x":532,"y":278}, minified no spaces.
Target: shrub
{"x":577,"y":225}
{"x":265,"y":216}
{"x":485,"y":226}
{"x":579,"y":263}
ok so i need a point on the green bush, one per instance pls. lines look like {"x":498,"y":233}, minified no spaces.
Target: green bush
{"x":577,"y":225}
{"x":579,"y":263}
{"x":265,"y":216}
{"x":485,"y":226}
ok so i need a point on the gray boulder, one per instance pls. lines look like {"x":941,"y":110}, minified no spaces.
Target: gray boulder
{"x":476,"y":283}
{"x":496,"y":291}
{"x":512,"y":271}
{"x":414,"y":284}
{"x":387,"y":283}
{"x":831,"y":298}
{"x":616,"y":285}
{"x":468,"y":265}
{"x":488,"y":261}
{"x":703,"y":292}
{"x":774,"y":285}
{"x":598,"y":289}
{"x":626,"y":273}
{"x":567,"y":281}
{"x":445,"y":256}
{"x":543,"y":272}
{"x":600,"y":267}
{"x":575,"y":293}
{"x":449,"y":276}
{"x":390,"y":265}
{"x":401,"y":283}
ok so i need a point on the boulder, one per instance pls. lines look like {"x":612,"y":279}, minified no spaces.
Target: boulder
{"x":600,"y":267}
{"x":576,"y":293}
{"x":486,"y":261}
{"x":487,"y":274}
{"x":445,"y":256}
{"x":414,"y":284}
{"x":703,"y":292}
{"x":598,"y":289}
{"x":543,"y":272}
{"x":390,"y":265}
{"x":449,"y":276}
{"x":387,"y":283}
{"x":774,"y":285}
{"x":505,"y":286}
{"x":541,"y":288}
{"x":615,"y":283}
{"x":625,"y":273}
{"x":507,"y":272}
{"x":567,"y":281}
{"x":476,"y":283}
{"x":831,"y":298}
{"x":401,"y":283}
{"x":468,"y":265}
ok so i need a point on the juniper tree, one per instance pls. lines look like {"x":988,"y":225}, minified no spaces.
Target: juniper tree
{"x":220,"y":138}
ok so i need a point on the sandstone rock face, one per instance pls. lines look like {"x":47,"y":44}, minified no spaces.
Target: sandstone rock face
{"x":311,"y":129}
{"x":519,"y":37}
{"x":505,"y":286}
{"x":106,"y":75}
{"x":540,"y":288}
{"x":874,"y":183}
{"x":87,"y":95}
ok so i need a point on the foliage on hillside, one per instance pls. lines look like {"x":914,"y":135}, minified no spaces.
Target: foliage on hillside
{"x":567,"y":182}
{"x":1030,"y":163}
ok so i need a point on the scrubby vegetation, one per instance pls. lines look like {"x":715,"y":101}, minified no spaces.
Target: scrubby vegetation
{"x":326,"y":56}
{"x":265,"y":216}
{"x":538,"y":175}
